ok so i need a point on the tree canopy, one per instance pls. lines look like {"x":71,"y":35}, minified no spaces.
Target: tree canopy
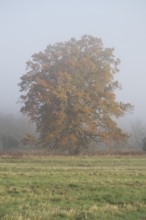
{"x":68,"y":90}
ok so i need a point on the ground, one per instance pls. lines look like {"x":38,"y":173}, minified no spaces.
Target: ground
{"x":55,"y":188}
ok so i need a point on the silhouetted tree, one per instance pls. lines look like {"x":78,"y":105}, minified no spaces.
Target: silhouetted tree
{"x":8,"y":142}
{"x":144,"y":144}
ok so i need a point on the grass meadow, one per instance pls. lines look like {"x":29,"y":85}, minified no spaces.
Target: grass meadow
{"x":60,"y":188}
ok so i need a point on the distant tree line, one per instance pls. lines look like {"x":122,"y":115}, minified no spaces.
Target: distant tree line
{"x":13,"y":129}
{"x":17,"y":134}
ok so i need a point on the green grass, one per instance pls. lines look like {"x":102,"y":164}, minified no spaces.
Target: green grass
{"x":60,"y":188}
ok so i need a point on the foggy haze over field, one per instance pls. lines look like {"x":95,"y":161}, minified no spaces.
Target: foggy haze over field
{"x":27,"y":27}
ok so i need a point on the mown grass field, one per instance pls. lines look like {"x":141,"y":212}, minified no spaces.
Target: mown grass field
{"x":103,"y":187}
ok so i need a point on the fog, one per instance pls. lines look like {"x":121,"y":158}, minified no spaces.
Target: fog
{"x":29,"y":26}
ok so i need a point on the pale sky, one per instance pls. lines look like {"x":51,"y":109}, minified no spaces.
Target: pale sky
{"x":28,"y":26}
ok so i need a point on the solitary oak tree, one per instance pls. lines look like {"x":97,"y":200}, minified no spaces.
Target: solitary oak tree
{"x":68,"y":90}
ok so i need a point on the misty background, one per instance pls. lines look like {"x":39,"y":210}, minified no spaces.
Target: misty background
{"x":27,"y":27}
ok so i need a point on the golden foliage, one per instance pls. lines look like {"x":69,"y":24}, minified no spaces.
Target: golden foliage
{"x":69,"y":92}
